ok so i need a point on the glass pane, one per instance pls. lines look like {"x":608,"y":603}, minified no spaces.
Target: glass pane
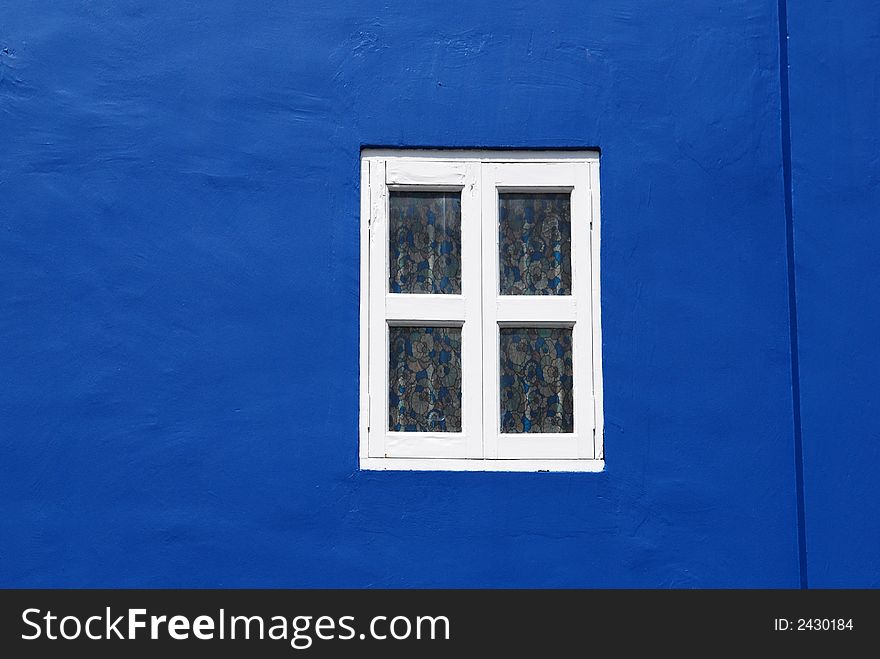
{"x":425,"y":247}
{"x":534,"y":239}
{"x":536,"y":380}
{"x":424,"y":379}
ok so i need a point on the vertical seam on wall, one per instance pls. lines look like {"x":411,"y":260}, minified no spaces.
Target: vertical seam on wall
{"x":792,"y":292}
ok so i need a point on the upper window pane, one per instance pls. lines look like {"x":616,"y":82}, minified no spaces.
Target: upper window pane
{"x":534,"y":239}
{"x":425,"y":247}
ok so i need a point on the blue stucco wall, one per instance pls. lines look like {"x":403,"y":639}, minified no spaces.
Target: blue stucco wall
{"x":179,"y":285}
{"x":835,"y":96}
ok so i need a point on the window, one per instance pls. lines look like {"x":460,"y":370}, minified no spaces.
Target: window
{"x":480,"y":334}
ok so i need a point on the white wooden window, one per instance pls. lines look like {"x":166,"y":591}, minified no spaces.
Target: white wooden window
{"x":480,"y":332}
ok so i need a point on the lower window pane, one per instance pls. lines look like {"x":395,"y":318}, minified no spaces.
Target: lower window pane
{"x":424,"y":379}
{"x":536,"y":380}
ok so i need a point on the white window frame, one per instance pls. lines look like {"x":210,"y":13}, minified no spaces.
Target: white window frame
{"x":480,"y":311}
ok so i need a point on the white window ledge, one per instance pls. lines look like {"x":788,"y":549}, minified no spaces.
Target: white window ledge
{"x":465,"y":464}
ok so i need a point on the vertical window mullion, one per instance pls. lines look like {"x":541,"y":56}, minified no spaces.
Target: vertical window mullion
{"x":378,"y":334}
{"x":595,"y":314}
{"x":584,"y":346}
{"x":472,"y":290}
{"x":489,"y":333}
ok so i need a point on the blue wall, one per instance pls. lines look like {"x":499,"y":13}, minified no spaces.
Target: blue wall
{"x":835,"y":95}
{"x":179,"y":213}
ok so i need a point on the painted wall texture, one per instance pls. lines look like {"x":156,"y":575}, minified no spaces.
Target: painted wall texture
{"x":179,"y":285}
{"x":835,"y":97}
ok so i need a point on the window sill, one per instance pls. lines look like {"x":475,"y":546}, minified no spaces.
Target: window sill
{"x":459,"y":464}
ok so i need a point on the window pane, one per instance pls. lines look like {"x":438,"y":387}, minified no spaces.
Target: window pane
{"x":424,"y":378}
{"x":534,"y":238}
{"x":425,"y":247}
{"x":536,"y":380}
